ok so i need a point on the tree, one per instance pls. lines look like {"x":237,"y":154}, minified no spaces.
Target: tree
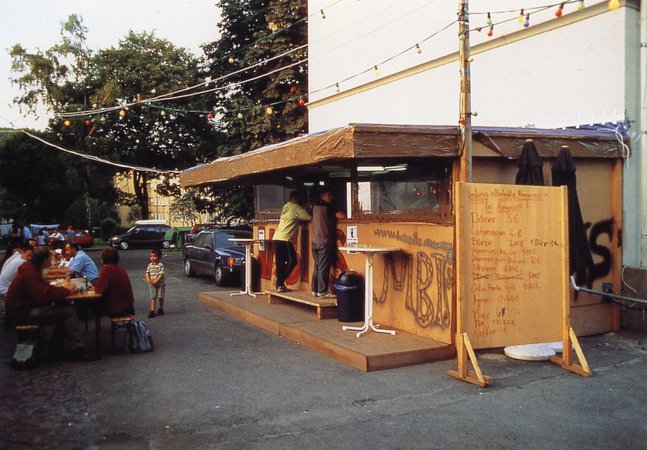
{"x":39,"y":184}
{"x":269,"y":109}
{"x":113,"y":93}
{"x":183,"y":209}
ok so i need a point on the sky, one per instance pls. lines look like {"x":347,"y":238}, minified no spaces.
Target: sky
{"x":36,"y":24}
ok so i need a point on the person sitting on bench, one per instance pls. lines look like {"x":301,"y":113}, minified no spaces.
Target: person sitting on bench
{"x":31,"y":299}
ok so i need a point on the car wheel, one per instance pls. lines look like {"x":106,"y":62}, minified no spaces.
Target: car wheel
{"x":188,"y":270}
{"x":124,"y":245}
{"x":219,"y":275}
{"x":166,"y":244}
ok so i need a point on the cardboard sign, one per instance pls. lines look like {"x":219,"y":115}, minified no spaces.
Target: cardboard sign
{"x":512,"y":259}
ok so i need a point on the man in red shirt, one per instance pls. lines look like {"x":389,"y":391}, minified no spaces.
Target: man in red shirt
{"x":31,"y":299}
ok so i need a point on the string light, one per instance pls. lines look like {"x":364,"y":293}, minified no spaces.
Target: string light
{"x":269,"y":111}
{"x":489,"y":20}
{"x":418,"y":49}
{"x":521,"y":16}
{"x":490,"y":32}
{"x":67,"y":123}
{"x":165,"y":97}
{"x":87,"y":122}
{"x":337,"y":87}
{"x":526,"y":22}
{"x":559,"y":11}
{"x":580,"y":5}
{"x":323,"y":16}
{"x":614,"y":4}
{"x":376,"y":71}
{"x":122,"y":113}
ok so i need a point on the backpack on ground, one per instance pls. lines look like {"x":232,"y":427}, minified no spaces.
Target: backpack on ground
{"x":138,"y":338}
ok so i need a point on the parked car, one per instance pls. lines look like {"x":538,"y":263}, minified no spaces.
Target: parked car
{"x":141,"y":235}
{"x":211,"y":252}
{"x":175,"y":237}
{"x":84,"y":238}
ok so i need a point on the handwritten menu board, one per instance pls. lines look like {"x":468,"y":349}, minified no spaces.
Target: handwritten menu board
{"x":512,"y":259}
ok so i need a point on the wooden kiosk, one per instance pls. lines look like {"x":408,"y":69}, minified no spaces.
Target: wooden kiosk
{"x":396,"y":184}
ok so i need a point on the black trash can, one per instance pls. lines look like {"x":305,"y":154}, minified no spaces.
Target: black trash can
{"x":256,"y":276}
{"x":349,"y":288}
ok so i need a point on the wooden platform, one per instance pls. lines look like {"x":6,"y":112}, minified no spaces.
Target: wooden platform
{"x":296,"y":322}
{"x":326,"y":308}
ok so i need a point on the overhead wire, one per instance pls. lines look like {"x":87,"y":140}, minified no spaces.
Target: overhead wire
{"x":92,"y":157}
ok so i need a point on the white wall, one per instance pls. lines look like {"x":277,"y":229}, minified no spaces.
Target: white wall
{"x":577,"y":69}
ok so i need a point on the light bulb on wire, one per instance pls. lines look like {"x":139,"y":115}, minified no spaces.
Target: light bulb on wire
{"x":490,"y":32}
{"x":614,"y":4}
{"x":418,"y":49}
{"x":580,"y":5}
{"x":376,"y":71}
{"x":526,"y":22}
{"x":560,"y":11}
{"x":489,"y":20}
{"x":521,"y":16}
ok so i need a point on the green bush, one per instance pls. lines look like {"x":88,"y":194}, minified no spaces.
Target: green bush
{"x":108,"y":227}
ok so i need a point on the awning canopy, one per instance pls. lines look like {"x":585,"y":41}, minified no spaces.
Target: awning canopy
{"x":340,"y":146}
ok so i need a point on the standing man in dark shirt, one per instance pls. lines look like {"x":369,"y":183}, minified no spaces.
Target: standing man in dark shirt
{"x":324,"y":239}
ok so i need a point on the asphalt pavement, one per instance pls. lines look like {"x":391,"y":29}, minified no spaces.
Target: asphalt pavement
{"x":214,"y":382}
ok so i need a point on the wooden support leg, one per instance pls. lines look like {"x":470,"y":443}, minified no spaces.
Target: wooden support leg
{"x":464,"y":350}
{"x":566,"y":360}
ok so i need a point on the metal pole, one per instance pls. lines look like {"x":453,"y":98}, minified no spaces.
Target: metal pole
{"x":465,"y":114}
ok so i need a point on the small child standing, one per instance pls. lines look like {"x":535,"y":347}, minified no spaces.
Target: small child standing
{"x":156,"y":282}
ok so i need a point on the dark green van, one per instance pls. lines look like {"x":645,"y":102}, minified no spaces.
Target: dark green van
{"x":174,"y":237}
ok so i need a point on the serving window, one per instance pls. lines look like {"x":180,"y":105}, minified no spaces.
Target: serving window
{"x":413,"y":189}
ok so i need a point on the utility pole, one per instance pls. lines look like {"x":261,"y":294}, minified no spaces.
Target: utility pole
{"x":465,"y":114}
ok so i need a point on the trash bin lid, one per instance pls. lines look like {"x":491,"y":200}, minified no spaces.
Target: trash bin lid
{"x":348,"y":277}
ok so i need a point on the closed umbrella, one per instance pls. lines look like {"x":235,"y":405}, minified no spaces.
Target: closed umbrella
{"x":563,"y":173}
{"x":530,"y":166}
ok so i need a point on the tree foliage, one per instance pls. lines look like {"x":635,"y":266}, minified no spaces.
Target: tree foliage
{"x":254,"y":33}
{"x":166,"y":134}
{"x":38,"y":184}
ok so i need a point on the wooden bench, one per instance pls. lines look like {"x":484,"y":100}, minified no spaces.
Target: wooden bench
{"x":27,"y":330}
{"x":326,"y":307}
{"x":115,"y":324}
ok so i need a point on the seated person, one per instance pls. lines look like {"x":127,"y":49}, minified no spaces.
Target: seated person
{"x":81,"y":264}
{"x":114,"y":285}
{"x":10,"y":268}
{"x":56,"y":239}
{"x":31,"y":299}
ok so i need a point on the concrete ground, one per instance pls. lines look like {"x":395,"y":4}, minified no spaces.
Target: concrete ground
{"x":214,"y":382}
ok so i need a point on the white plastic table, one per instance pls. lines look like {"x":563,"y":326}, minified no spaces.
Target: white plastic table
{"x":249,"y":243}
{"x":368,"y":252}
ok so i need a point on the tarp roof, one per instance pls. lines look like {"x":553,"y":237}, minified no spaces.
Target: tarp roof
{"x":370,"y":141}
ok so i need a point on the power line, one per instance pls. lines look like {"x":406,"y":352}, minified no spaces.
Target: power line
{"x":92,"y":157}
